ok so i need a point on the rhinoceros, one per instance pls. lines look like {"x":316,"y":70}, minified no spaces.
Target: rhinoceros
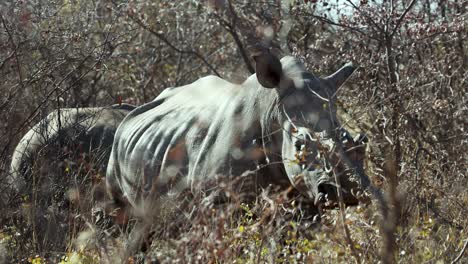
{"x":66,"y":132}
{"x":65,"y":151}
{"x":278,"y":127}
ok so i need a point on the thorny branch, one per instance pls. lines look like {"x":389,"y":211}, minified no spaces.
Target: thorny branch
{"x":231,"y":29}
{"x":354,"y":29}
{"x":461,"y":253}
{"x":341,"y":204}
{"x":2,"y":64}
{"x":172,"y":46}
{"x":400,"y":19}
{"x":365,"y":15}
{"x":15,"y":51}
{"x":62,"y":91}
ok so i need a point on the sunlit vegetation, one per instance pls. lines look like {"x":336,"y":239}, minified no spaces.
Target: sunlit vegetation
{"x":408,"y":95}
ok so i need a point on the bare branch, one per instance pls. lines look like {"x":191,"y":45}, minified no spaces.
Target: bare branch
{"x":366,"y":16}
{"x":15,"y":49}
{"x":172,"y":46}
{"x":400,"y":19}
{"x":357,"y":30}
{"x":235,"y":36}
{"x":231,"y":29}
{"x":62,"y":91}
{"x":341,"y":204}
{"x":461,"y":253}
{"x":364,"y":180}
{"x":2,"y":64}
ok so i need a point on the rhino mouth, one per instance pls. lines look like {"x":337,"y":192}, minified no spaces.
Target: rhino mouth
{"x":318,"y":165}
{"x":321,"y":187}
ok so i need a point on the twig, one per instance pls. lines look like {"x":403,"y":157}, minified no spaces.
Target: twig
{"x":235,"y":36}
{"x":231,"y":29}
{"x":2,"y":64}
{"x":366,"y":16}
{"x":364,"y":180}
{"x":259,"y":253}
{"x":62,"y":91}
{"x":172,"y":46}
{"x":357,"y":30}
{"x":341,"y":204}
{"x":400,"y":19}
{"x":461,"y":253}
{"x":390,"y":222}
{"x":15,"y":50}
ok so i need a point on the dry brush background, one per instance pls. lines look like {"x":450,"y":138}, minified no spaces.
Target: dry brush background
{"x":408,"y":96}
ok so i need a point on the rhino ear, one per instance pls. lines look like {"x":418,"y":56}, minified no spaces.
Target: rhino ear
{"x":268,"y":69}
{"x":337,"y":79}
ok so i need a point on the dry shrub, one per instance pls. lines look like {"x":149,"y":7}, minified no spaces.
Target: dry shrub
{"x":409,"y":96}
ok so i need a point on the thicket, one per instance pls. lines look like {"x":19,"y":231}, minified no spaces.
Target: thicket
{"x":408,"y":95}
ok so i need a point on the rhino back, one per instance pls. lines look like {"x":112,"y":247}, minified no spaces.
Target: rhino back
{"x":185,"y":138}
{"x":90,"y":128}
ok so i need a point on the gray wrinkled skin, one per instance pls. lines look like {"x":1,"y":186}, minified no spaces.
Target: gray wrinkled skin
{"x":204,"y":131}
{"x":85,"y":130}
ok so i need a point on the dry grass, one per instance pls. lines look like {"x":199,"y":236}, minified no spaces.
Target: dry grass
{"x":95,"y":53}
{"x":276,"y":227}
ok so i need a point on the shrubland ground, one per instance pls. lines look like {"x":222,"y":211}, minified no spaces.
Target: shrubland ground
{"x":408,"y":96}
